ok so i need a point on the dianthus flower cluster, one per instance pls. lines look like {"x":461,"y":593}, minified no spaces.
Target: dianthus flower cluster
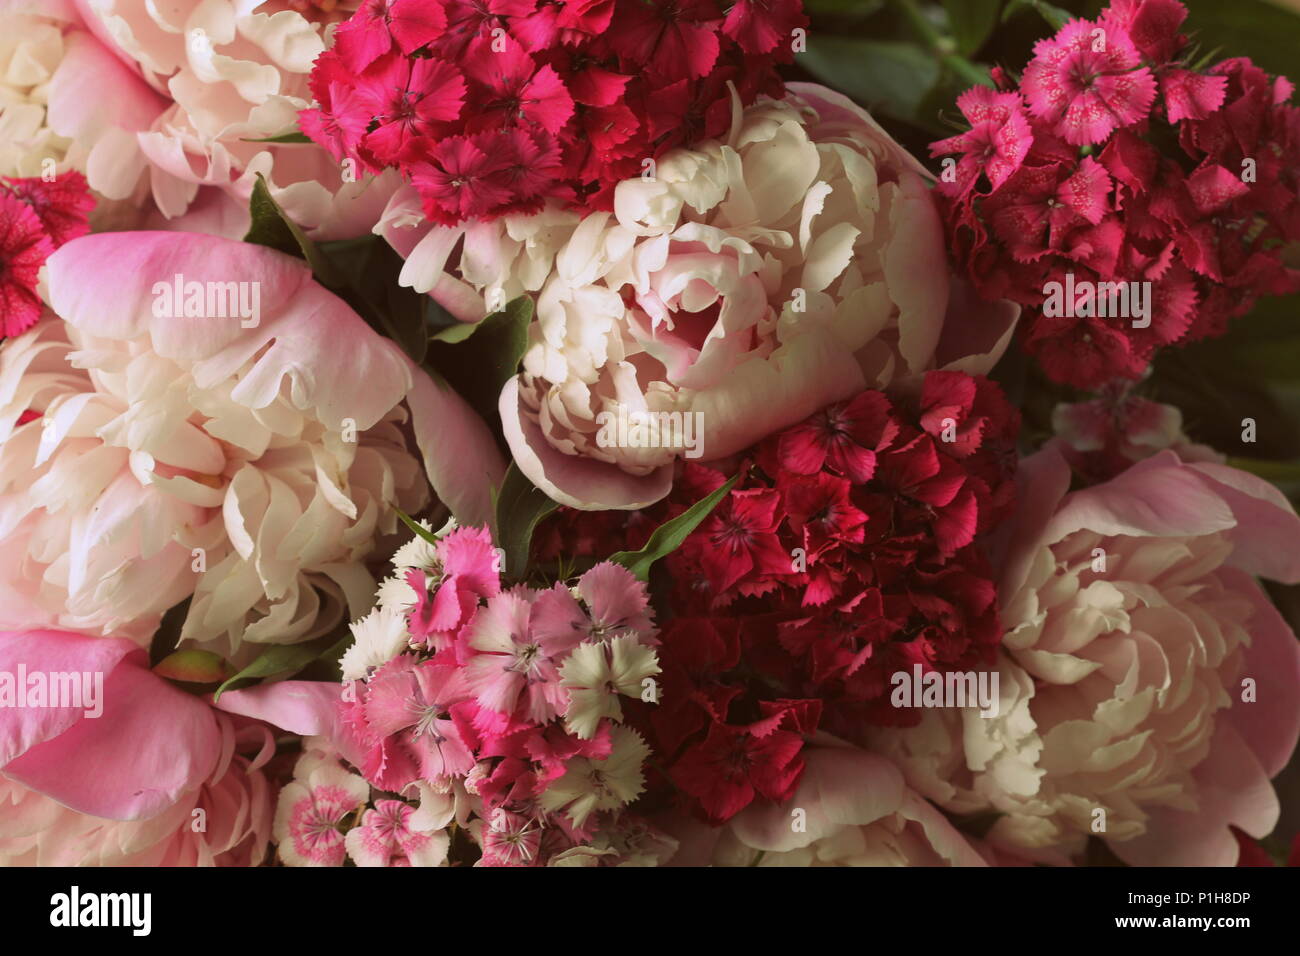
{"x":1127,"y":195}
{"x":495,"y":107}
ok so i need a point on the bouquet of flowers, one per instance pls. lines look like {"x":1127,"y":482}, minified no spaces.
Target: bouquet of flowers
{"x":576,"y":433}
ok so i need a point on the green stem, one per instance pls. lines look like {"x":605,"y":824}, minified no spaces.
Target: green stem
{"x":941,"y":46}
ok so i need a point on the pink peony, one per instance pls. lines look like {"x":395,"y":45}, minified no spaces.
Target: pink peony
{"x":137,"y":742}
{"x":250,"y":463}
{"x":226,"y":821}
{"x":1148,"y":684}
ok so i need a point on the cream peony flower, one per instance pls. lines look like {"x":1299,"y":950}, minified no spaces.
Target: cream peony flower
{"x":230,"y":72}
{"x":66,"y":102}
{"x":1148,"y":683}
{"x":144,"y":458}
{"x":743,"y":285}
{"x":851,"y":808}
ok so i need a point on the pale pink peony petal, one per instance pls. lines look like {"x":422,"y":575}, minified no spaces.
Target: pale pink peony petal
{"x":152,"y":742}
{"x":572,"y":480}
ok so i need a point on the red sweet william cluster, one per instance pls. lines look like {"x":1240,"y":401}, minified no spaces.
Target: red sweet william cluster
{"x":846,"y":553}
{"x":494,"y":107}
{"x":1117,"y":160}
{"x":36,"y":217}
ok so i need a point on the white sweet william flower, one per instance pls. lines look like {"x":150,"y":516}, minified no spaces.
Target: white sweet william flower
{"x":378,"y":638}
{"x":745,"y":285}
{"x":589,"y":786}
{"x":596,"y":673}
{"x":252,"y":467}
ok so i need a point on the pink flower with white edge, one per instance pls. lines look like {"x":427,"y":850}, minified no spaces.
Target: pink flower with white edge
{"x":1148,"y":688}
{"x":851,"y":808}
{"x":386,"y":838}
{"x":230,"y":73}
{"x":510,"y":661}
{"x":314,"y":811}
{"x":251,"y":462}
{"x":404,"y":724}
{"x":607,"y":602}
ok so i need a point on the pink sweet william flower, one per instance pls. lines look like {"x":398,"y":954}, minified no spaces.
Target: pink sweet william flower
{"x":995,"y":145}
{"x":466,"y":570}
{"x":403,"y":722}
{"x":510,"y":661}
{"x":386,"y":838}
{"x":311,"y":817}
{"x":1088,"y":80}
{"x":613,"y":604}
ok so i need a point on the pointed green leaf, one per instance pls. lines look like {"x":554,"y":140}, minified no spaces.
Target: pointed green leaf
{"x":270,"y":226}
{"x":420,"y":530}
{"x":293,"y":136}
{"x":668,"y":537}
{"x":518,"y":507}
{"x":281,"y":659}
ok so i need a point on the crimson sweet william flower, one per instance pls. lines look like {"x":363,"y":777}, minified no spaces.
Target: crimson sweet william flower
{"x":845,"y":436}
{"x":759,"y":25}
{"x":24,"y":247}
{"x":1183,"y":194}
{"x":461,"y":180}
{"x":741,"y":535}
{"x":62,"y":204}
{"x":731,"y":765}
{"x":597,"y":86}
{"x":379,"y":25}
{"x":668,"y":38}
{"x":996,"y":144}
{"x":409,"y":100}
{"x":1087,"y":81}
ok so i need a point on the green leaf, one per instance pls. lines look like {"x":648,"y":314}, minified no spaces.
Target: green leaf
{"x":1265,"y":32}
{"x":168,"y":636}
{"x":855,"y":9}
{"x":668,"y":537}
{"x":293,"y":136}
{"x":403,"y":321}
{"x":1054,"y":15}
{"x":415,"y":526}
{"x":281,"y":659}
{"x":518,"y":507}
{"x":1284,"y":474}
{"x":485,"y":356}
{"x":972,"y":21}
{"x":270,"y":226}
{"x":882,"y":75}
